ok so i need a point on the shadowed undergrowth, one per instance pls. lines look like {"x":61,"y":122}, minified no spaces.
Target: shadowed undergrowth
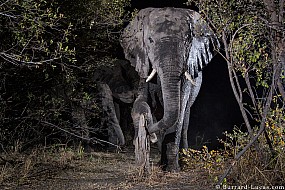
{"x":66,"y":168}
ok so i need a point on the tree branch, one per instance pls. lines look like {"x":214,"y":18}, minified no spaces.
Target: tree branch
{"x":261,"y":129}
{"x":7,"y":15}
{"x":237,"y":96}
{"x":80,"y":137}
{"x":13,"y":59}
{"x":4,"y":3}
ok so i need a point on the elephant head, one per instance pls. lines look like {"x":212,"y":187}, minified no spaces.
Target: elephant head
{"x":175,"y":44}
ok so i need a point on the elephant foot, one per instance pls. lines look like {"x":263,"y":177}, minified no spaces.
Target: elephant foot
{"x":169,"y":155}
{"x":172,"y":157}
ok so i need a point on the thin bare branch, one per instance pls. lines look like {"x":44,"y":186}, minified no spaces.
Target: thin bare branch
{"x":80,"y":137}
{"x":261,"y":129}
{"x":281,"y":11}
{"x":231,"y":76}
{"x":249,"y":87}
{"x":7,"y":15}
{"x":236,"y":32}
{"x":13,"y":59}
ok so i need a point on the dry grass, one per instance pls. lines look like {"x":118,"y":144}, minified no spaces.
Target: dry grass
{"x":64,"y":168}
{"x":17,"y":169}
{"x":260,"y":168}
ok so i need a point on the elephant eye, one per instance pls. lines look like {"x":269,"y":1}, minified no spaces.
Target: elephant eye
{"x":150,"y":40}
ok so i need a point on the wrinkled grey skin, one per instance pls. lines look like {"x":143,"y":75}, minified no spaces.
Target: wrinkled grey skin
{"x":172,"y":41}
{"x":110,"y":115}
{"x":112,"y":84}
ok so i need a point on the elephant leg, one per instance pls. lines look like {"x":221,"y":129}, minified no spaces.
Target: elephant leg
{"x":171,"y":143}
{"x":192,"y":97}
{"x":169,"y":160}
{"x":114,"y":130}
{"x":184,"y":143}
{"x":117,"y":111}
{"x":188,"y":96}
{"x":173,"y":146}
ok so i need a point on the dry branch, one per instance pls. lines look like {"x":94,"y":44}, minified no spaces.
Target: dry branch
{"x":261,"y":129}
{"x":142,"y":147}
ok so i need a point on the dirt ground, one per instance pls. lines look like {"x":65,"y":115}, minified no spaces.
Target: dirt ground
{"x":105,"y":170}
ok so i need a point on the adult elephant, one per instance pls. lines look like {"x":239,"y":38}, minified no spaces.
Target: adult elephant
{"x":115,"y":86}
{"x":175,"y":44}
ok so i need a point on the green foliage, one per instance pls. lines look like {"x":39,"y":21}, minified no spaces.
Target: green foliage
{"x":97,"y":25}
{"x":48,"y":57}
{"x":275,"y":125}
{"x":235,"y":141}
{"x":38,"y":33}
{"x":245,"y":32}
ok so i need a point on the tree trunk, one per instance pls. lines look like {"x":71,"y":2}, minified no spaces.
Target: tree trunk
{"x":142,"y":147}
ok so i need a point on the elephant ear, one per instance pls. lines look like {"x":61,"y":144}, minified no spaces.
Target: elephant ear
{"x":132,"y":41}
{"x":203,"y":44}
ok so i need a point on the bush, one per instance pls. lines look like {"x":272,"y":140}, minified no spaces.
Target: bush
{"x":260,"y":165}
{"x":49,"y":54}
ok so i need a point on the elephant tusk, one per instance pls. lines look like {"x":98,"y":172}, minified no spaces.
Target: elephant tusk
{"x":188,"y":76}
{"x":151,"y":75}
{"x":153,"y":138}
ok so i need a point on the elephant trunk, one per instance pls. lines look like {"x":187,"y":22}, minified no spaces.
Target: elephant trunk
{"x":171,"y":101}
{"x":169,"y":72}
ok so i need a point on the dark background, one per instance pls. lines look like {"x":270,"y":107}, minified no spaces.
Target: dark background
{"x":140,"y":4}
